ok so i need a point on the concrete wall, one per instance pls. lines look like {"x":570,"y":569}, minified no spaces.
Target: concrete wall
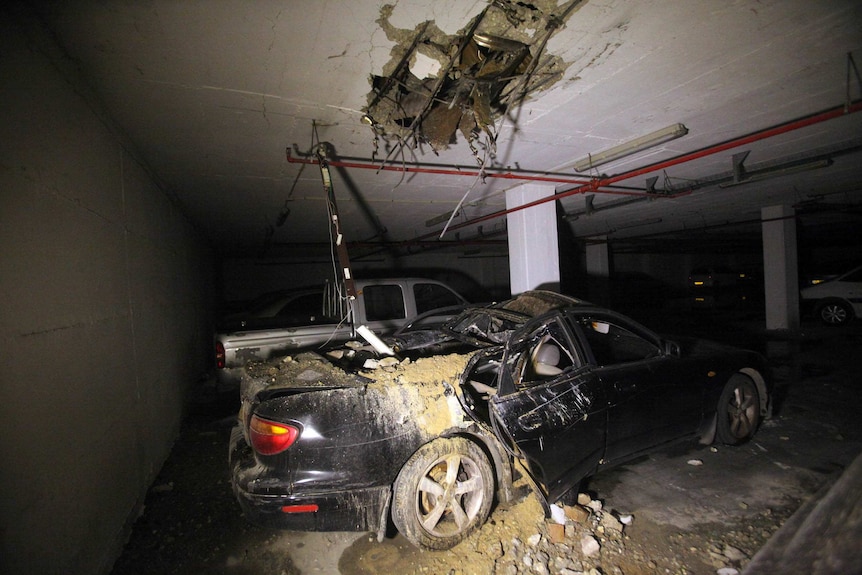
{"x":103,"y":317}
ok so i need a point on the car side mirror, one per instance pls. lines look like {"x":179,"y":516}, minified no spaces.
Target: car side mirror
{"x":671,"y":348}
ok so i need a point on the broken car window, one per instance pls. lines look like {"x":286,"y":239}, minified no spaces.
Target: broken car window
{"x":612,"y":344}
{"x":484,"y":325}
{"x":542,"y":356}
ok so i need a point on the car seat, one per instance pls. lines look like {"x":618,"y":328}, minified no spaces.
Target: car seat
{"x":546,"y":359}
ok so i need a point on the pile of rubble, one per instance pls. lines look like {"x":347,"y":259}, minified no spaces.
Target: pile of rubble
{"x":582,"y":539}
{"x":572,"y":542}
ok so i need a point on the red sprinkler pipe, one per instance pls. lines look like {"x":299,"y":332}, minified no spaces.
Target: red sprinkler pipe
{"x":791,"y":126}
{"x":548,"y":177}
{"x":595,"y":184}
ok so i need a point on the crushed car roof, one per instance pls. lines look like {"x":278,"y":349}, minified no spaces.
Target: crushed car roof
{"x":539,"y":302}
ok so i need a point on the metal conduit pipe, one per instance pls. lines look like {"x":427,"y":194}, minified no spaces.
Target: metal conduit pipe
{"x":595,"y":184}
{"x":791,"y":126}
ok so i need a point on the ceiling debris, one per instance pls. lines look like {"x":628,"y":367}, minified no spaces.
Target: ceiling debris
{"x":436,"y":84}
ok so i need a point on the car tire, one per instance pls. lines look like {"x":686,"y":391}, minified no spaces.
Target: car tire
{"x":834,"y":312}
{"x":738,"y":411}
{"x":443,"y":493}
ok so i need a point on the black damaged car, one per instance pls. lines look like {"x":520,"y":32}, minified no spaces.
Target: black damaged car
{"x":426,"y":439}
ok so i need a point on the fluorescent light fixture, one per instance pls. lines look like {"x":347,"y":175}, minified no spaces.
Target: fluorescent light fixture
{"x":632,"y":147}
{"x":375,"y":341}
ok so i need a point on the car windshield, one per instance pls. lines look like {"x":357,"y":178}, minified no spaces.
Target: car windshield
{"x":495,"y":323}
{"x":485,"y":325}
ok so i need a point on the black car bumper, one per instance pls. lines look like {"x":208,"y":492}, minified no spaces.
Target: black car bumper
{"x":273,"y":503}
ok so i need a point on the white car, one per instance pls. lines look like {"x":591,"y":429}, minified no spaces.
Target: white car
{"x":836,"y":301}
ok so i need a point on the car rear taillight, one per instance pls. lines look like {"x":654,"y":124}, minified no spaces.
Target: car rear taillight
{"x":271,"y":437}
{"x":310,"y":508}
{"x":219,"y":355}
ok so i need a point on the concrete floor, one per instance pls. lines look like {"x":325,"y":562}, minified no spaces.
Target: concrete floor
{"x":813,"y":436}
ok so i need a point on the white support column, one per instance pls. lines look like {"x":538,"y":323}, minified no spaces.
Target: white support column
{"x":598,"y":258}
{"x":534,"y":255}
{"x":780,"y":270}
{"x":598,"y":270}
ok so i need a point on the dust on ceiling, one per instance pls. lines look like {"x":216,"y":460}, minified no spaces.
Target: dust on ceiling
{"x":437,"y":85}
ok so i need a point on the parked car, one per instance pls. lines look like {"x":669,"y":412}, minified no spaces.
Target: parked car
{"x":722,"y":288}
{"x":303,"y":319}
{"x":428,"y":436}
{"x":835,"y":301}
{"x":718,"y":277}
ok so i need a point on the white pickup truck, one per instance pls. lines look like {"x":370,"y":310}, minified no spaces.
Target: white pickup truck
{"x":313,"y":317}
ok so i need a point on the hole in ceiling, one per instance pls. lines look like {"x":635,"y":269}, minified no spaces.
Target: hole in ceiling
{"x":437,"y":85}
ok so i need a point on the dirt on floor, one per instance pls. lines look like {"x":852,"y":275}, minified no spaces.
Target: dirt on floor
{"x":689,"y":510}
{"x":191,"y":525}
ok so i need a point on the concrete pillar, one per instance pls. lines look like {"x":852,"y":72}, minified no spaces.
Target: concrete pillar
{"x":598,"y":270}
{"x":780,"y":270}
{"x":598,"y":258}
{"x":534,"y":259}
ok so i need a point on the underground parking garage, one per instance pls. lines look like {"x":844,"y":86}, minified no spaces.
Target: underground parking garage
{"x":164,"y":164}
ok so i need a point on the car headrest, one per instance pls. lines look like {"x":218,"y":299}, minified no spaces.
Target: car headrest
{"x":545,"y":359}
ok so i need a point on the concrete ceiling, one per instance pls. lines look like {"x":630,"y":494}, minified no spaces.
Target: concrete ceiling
{"x":212,"y":93}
